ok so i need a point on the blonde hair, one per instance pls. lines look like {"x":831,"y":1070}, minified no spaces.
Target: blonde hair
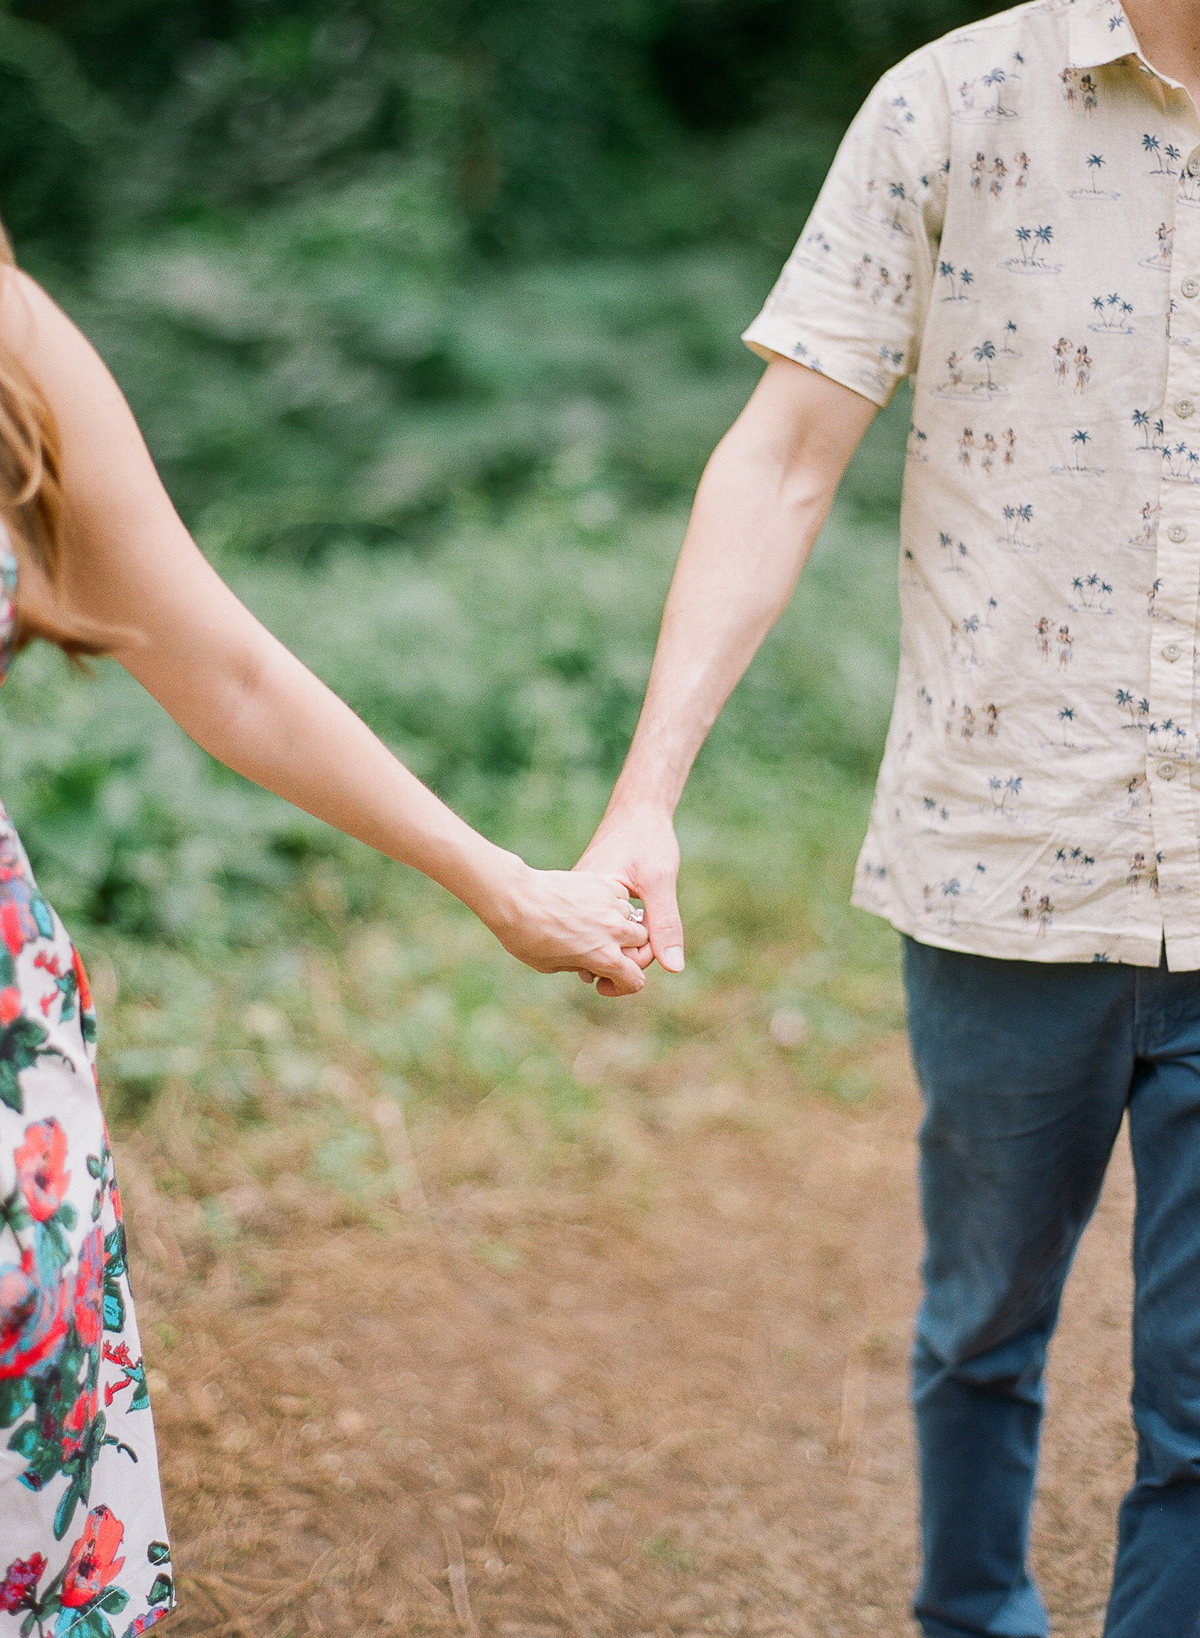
{"x":31,"y":505}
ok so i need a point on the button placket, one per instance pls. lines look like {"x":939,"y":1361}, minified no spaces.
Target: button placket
{"x":1169,"y":749}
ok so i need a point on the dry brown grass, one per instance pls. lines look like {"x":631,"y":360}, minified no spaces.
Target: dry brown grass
{"x":667,"y":1398}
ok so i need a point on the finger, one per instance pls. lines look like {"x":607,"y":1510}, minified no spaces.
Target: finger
{"x":622,"y":886}
{"x":587,"y":977}
{"x":664,"y":924}
{"x":632,"y":935}
{"x":617,"y":974}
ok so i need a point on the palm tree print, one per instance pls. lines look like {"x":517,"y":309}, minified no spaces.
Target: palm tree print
{"x":918,"y":441}
{"x":1093,"y":593}
{"x":1080,"y":439}
{"x":994,"y":80}
{"x":1112,"y":313}
{"x":1072,"y":864}
{"x":1180,"y":460}
{"x":1092,"y":189}
{"x":897,"y":196}
{"x":984,"y":354}
{"x":958,"y":281}
{"x":1016,"y":518}
{"x":1032,"y":247}
{"x":955,"y":552}
{"x":1138,"y":709}
{"x":1142,"y":424}
{"x":1066,"y":716}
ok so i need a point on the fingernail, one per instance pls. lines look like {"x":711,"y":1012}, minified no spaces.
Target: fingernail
{"x":672,"y":959}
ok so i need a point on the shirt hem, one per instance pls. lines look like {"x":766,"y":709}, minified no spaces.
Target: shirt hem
{"x":1076,"y":946}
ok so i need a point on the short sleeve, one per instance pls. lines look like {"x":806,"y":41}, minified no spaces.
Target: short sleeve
{"x":853,"y":297}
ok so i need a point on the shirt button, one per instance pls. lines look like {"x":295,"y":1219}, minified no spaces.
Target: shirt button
{"x":1177,"y":532}
{"x":1193,"y":165}
{"x":1172,"y":652}
{"x":1184,"y":408}
{"x":1166,"y":770}
{"x":1190,"y":287}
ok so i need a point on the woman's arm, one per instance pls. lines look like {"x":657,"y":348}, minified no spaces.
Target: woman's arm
{"x":130,"y":564}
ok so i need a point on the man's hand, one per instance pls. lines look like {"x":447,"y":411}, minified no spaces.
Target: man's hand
{"x":637,"y":845}
{"x":762,"y":500}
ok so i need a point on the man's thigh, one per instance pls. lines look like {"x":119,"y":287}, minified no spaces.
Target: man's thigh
{"x":1164,"y":1130}
{"x":1025,"y":1068}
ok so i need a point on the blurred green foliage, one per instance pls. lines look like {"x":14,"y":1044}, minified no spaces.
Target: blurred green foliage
{"x":353,"y":261}
{"x":430,"y":314}
{"x":553,"y":125}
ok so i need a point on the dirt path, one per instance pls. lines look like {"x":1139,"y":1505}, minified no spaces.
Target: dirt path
{"x":672,"y":1406}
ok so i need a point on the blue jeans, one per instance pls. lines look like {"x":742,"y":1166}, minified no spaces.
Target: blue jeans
{"x":1027,"y":1069}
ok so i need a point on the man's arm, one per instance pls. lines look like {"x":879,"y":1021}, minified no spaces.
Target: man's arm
{"x":761,"y":502}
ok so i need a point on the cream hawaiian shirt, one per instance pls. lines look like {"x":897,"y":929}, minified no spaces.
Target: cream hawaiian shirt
{"x":1014,"y":220}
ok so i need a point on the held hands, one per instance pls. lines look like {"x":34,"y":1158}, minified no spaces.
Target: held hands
{"x":572,"y":921}
{"x":637,"y":846}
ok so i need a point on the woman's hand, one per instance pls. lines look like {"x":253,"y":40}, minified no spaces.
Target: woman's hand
{"x":570,"y":921}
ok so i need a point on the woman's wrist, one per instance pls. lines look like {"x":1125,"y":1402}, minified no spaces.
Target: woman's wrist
{"x":494,"y":883}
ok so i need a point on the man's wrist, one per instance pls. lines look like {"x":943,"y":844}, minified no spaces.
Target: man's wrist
{"x":629,"y":804}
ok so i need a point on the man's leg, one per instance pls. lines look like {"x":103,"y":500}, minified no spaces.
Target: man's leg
{"x":1025,"y":1069}
{"x":1156,"y":1584}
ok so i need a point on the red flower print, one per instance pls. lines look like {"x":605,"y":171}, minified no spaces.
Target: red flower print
{"x":39,"y":1162}
{"x":10,"y":1005}
{"x":85,"y":989}
{"x":78,"y":1419}
{"x":21,"y":1578}
{"x":89,"y":1289}
{"x":93,"y":1562}
{"x":33,"y":1318}
{"x":10,"y":927}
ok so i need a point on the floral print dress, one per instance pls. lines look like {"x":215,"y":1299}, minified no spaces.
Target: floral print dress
{"x":83,"y":1546}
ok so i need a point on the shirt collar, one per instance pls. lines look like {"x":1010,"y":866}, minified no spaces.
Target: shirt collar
{"x":1099,"y":32}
